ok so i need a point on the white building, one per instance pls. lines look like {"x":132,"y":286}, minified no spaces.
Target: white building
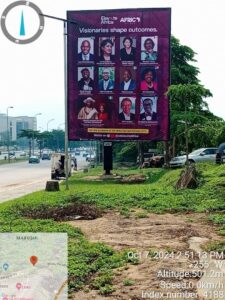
{"x":15,"y":125}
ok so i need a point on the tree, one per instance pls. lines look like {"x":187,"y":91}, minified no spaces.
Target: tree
{"x":186,"y":92}
{"x":182,"y":72}
{"x":31,"y":135}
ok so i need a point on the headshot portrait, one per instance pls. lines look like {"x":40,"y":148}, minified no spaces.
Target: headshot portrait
{"x":127,"y":108}
{"x":88,"y":111}
{"x":148,"y":109}
{"x":106,"y":78}
{"x":85,"y":78}
{"x":127,"y":82}
{"x":85,"y":49}
{"x":107,"y":49}
{"x":103,"y":112}
{"x":149,"y":48}
{"x":127,"y":49}
{"x":148,"y":79}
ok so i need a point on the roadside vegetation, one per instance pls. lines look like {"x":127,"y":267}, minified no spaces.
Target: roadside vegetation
{"x":12,"y":160}
{"x":93,"y":263}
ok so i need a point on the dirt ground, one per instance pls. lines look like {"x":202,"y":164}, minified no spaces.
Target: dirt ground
{"x":168,"y":233}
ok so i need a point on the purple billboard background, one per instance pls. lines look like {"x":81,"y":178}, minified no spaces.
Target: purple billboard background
{"x":96,"y":26}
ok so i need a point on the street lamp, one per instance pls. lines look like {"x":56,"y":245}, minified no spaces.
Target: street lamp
{"x":49,"y":122}
{"x":8,"y":135}
{"x":38,"y":114}
{"x":60,"y":125}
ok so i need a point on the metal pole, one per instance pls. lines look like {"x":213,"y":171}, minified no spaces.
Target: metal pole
{"x":8,"y":135}
{"x":186,"y":132}
{"x":65,"y":89}
{"x":66,"y":107}
{"x":35,"y":116}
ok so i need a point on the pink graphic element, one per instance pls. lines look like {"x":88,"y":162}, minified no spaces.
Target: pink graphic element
{"x":33,"y":260}
{"x":5,"y":298}
{"x":18,"y":286}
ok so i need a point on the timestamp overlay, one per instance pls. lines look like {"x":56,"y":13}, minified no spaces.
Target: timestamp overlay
{"x":33,"y":266}
{"x":191,"y":274}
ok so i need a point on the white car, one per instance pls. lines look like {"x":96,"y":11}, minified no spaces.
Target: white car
{"x":199,"y":155}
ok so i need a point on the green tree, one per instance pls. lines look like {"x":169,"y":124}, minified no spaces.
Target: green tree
{"x":31,"y":135}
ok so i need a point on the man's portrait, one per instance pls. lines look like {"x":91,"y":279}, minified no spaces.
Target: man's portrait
{"x":88,"y":111}
{"x":127,"y":108}
{"x":127,"y":82}
{"x":85,"y":49}
{"x":85,"y":78}
{"x":148,"y":109}
{"x":106,"y":79}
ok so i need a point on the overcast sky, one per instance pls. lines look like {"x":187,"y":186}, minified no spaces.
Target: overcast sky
{"x":32,"y":75}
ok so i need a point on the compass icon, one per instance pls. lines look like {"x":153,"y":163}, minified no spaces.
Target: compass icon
{"x":22,"y":22}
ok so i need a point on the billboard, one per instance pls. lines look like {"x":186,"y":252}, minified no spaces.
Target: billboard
{"x":118,"y":74}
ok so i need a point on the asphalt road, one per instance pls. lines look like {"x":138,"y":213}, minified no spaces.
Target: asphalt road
{"x":18,"y":179}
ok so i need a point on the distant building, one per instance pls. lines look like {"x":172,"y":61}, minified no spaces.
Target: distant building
{"x":16,"y":125}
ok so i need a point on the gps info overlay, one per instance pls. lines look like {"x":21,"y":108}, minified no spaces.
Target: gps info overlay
{"x":33,"y":266}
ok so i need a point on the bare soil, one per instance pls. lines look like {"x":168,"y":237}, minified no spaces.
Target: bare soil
{"x":167,"y":233}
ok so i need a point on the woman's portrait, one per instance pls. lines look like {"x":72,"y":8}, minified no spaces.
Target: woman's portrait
{"x":149,"y":48}
{"x":102,"y":112}
{"x":128,"y":50}
{"x":148,"y":82}
{"x":107,"y":49}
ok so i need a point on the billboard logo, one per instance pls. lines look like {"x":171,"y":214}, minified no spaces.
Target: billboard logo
{"x":108,"y":20}
{"x":130,"y":20}
{"x":22,"y":22}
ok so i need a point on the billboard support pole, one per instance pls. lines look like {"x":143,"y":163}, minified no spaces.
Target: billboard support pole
{"x":66,"y":142}
{"x":107,"y":157}
{"x":66,"y":106}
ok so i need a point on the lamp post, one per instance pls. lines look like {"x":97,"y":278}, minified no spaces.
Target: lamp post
{"x":49,"y":122}
{"x":8,"y":135}
{"x":60,"y":125}
{"x":38,"y":114}
{"x":66,"y":142}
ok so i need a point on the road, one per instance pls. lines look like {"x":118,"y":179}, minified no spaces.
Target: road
{"x":18,"y":179}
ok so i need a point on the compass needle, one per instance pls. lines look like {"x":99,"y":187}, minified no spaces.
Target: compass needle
{"x":23,"y":12}
{"x":22,"y":25}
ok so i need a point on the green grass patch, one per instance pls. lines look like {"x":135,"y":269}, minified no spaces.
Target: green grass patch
{"x":93,"y":263}
{"x":216,"y":246}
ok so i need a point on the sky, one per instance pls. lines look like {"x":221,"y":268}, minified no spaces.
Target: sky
{"x":32,"y":75}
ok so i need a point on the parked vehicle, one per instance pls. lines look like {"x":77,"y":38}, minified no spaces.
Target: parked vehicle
{"x":155,"y":161}
{"x":23,"y":153}
{"x":58,"y":165}
{"x":34,"y":159}
{"x":220,"y":154}
{"x":199,"y":155}
{"x":90,"y":158}
{"x":45,"y":156}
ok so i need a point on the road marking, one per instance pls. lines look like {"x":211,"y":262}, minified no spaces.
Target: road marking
{"x":9,"y":187}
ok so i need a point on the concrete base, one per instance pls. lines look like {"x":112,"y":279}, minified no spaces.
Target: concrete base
{"x":52,"y":186}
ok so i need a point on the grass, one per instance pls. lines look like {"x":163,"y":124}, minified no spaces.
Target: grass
{"x":12,"y":160}
{"x":94,"y":263}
